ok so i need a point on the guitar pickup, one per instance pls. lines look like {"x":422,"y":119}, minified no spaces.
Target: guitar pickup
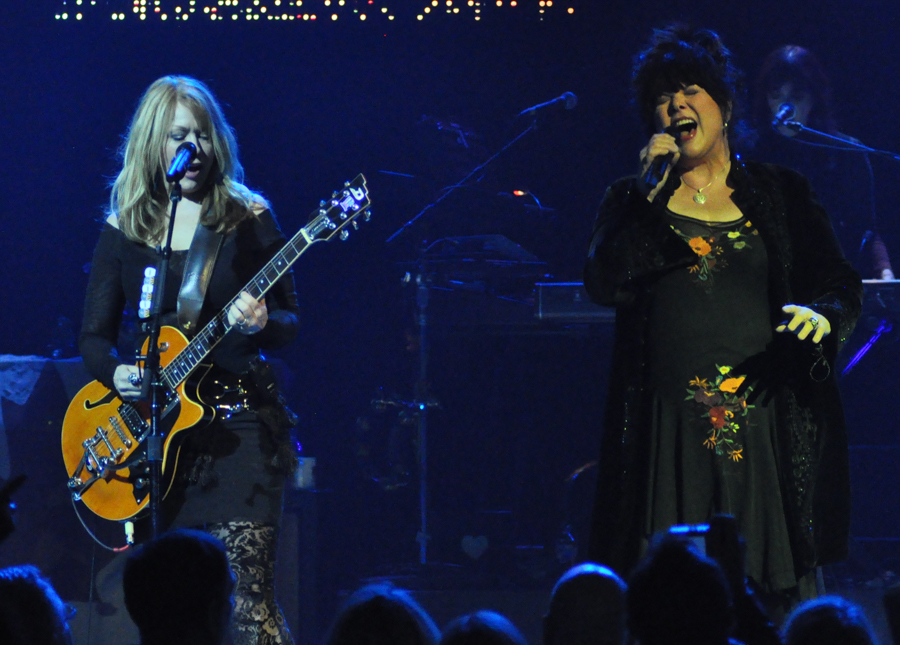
{"x":133,"y":421}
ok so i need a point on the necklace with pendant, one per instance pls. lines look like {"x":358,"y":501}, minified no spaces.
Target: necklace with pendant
{"x":700,"y":198}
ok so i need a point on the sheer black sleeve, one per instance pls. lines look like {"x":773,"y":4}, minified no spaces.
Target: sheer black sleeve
{"x":631,"y":245}
{"x":281,"y":300}
{"x":103,"y":306}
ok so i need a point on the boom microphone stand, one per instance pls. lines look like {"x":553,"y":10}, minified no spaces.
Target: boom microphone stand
{"x":847,"y":144}
{"x":421,"y":281}
{"x":152,"y":383}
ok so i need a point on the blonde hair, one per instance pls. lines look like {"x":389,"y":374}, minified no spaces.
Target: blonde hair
{"x":139,"y":197}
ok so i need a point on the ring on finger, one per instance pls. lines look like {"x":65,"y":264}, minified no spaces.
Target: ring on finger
{"x":814,"y":322}
{"x":134,"y":378}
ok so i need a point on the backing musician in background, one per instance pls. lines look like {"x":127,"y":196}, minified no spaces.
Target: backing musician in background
{"x":233,"y":471}
{"x":732,"y":298}
{"x":842,"y":179}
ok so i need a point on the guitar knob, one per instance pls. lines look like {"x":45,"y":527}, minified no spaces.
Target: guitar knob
{"x":345,"y":234}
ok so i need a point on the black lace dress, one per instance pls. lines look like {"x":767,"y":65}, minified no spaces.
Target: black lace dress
{"x":710,"y":451}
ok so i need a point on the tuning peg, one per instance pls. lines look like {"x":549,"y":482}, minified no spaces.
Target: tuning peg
{"x":367,"y":216}
{"x":345,"y":234}
{"x":355,"y":225}
{"x":322,"y":204}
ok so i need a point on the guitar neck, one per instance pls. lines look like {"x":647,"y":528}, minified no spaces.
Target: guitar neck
{"x":322,"y":227}
{"x":208,"y":337}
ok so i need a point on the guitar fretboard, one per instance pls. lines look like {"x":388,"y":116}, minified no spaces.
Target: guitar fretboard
{"x":340,"y":212}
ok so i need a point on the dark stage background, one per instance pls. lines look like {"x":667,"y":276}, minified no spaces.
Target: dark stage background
{"x":314,"y":104}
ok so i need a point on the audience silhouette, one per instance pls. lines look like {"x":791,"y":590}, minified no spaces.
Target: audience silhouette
{"x":31,"y":612}
{"x":178,"y":589}
{"x":829,"y":620}
{"x":380,"y":614}
{"x":678,"y":595}
{"x":482,"y":628}
{"x":587,"y":607}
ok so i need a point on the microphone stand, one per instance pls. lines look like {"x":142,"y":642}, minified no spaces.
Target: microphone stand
{"x":461,"y":183}
{"x":422,"y":400}
{"x":850,"y":145}
{"x":152,"y":379}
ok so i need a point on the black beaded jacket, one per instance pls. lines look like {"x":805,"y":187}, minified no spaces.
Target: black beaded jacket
{"x":631,"y":248}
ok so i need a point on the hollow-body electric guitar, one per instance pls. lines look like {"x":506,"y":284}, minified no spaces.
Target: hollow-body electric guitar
{"x":104,"y":438}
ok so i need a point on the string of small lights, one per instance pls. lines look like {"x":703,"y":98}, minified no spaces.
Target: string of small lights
{"x":304,"y":10}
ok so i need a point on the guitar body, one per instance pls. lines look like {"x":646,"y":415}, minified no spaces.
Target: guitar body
{"x":99,"y":426}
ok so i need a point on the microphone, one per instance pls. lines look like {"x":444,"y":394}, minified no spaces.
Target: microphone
{"x":658,"y":169}
{"x":785,"y":112}
{"x":661,"y":164}
{"x":570,"y":99}
{"x":184,"y":155}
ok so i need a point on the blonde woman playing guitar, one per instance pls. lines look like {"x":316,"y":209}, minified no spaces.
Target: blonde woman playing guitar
{"x":226,"y":477}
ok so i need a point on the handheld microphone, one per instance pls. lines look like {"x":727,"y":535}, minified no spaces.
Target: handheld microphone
{"x":658,"y":169}
{"x":184,"y":155}
{"x":785,"y":112}
{"x":661,"y":164}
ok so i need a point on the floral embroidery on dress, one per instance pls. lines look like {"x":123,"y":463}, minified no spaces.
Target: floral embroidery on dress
{"x":710,"y":250}
{"x":724,"y":409}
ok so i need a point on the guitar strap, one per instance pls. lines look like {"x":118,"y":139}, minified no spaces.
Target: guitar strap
{"x":198,"y":269}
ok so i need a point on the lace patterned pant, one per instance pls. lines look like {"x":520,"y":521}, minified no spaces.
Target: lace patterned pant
{"x":257,"y":619}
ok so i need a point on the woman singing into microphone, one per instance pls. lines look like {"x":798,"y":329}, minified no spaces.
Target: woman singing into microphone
{"x":732,"y":299}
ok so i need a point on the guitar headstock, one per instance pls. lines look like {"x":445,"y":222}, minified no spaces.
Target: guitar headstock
{"x":335,"y":215}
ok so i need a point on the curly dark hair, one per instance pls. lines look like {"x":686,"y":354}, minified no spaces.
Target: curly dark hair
{"x":680,"y":55}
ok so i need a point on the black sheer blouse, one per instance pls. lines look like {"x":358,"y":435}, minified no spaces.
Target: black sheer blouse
{"x":117,"y":274}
